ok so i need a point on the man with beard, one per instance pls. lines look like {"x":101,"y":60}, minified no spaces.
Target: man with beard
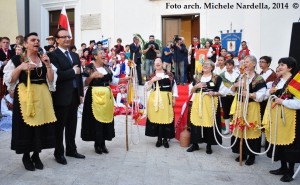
{"x":151,"y":49}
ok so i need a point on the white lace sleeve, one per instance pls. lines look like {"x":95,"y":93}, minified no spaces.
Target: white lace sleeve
{"x":260,"y":94}
{"x":52,"y":85}
{"x":8,"y":69}
{"x":292,"y":103}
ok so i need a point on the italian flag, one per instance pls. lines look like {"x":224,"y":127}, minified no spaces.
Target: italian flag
{"x":63,"y":21}
{"x":294,"y":86}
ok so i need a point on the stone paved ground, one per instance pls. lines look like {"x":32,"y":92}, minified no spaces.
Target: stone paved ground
{"x":143,"y":164}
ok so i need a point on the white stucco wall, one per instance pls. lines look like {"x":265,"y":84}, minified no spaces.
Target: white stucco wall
{"x":267,"y":32}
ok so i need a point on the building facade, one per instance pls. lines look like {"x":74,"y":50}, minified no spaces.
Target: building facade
{"x":267,"y":31}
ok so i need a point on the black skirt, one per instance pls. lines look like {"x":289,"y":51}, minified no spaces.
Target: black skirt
{"x":254,"y":144}
{"x":91,"y":129}
{"x":27,"y":138}
{"x":208,"y":132}
{"x":160,"y":130}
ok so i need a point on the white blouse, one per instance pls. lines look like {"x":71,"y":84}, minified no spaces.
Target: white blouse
{"x":10,"y":67}
{"x":260,"y":94}
{"x":290,"y":103}
{"x":103,"y":71}
{"x":232,"y":78}
{"x":162,"y":76}
{"x":265,"y":76}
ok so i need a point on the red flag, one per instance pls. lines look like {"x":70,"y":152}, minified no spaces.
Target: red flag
{"x":294,"y":85}
{"x":64,"y":21}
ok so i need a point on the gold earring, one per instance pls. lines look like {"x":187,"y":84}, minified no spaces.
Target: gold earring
{"x":95,"y":57}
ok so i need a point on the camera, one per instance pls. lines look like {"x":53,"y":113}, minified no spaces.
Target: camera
{"x":176,"y":38}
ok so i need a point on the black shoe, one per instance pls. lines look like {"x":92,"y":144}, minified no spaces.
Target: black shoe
{"x":287,"y":178}
{"x":75,"y":155}
{"x":208,"y":150}
{"x":159,"y":143}
{"x":98,"y":149}
{"x":279,"y":171}
{"x":28,"y":164}
{"x":104,"y":149}
{"x":141,"y":84}
{"x":166,"y":144}
{"x":193,"y":148}
{"x":250,"y":161}
{"x":244,"y":157}
{"x":37,"y":162}
{"x":61,"y":159}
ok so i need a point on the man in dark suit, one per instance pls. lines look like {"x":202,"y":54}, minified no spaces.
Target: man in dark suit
{"x":67,"y":97}
{"x":135,"y":48}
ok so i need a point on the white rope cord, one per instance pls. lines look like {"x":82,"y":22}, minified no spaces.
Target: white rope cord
{"x":215,"y":125}
{"x":131,"y":133}
{"x":201,"y":112}
{"x":246,"y":102}
{"x":135,"y":104}
{"x":215,"y":121}
{"x":270,"y":100}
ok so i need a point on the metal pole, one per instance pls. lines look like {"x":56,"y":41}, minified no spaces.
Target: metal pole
{"x":27,"y":17}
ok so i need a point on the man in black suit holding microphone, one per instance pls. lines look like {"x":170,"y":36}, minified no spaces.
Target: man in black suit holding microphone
{"x":67,"y":97}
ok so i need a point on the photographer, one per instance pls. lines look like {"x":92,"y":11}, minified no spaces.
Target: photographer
{"x":179,"y":57}
{"x":151,"y":49}
{"x":167,"y":55}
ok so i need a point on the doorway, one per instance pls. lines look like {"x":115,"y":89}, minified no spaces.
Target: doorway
{"x":185,"y":26}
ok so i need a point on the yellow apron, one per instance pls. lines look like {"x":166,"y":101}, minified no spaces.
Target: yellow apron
{"x":253,"y":118}
{"x":285,"y":132}
{"x":160,"y":112}
{"x":103,"y":104}
{"x":203,"y":115}
{"x":40,"y":105}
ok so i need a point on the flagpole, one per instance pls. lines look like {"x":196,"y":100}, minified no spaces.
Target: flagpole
{"x":126,"y":125}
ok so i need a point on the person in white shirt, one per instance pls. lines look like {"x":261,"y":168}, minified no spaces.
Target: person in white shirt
{"x":6,"y":111}
{"x":122,"y":99}
{"x":269,"y":76}
{"x":285,"y":107}
{"x":229,"y":77}
{"x":7,"y":103}
{"x":220,"y":66}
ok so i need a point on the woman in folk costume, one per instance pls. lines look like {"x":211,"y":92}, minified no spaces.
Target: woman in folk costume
{"x":205,"y":87}
{"x":162,"y":98}
{"x":287,"y":137}
{"x":32,"y":76}
{"x":124,"y":67}
{"x":229,"y":77}
{"x":98,"y":109}
{"x":122,"y":99}
{"x":253,"y":89}
{"x":114,"y":66}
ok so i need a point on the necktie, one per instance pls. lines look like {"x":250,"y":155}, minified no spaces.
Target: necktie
{"x":71,"y":62}
{"x":68,"y":56}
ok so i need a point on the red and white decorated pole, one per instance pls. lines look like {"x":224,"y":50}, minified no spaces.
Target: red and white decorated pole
{"x":63,"y":21}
